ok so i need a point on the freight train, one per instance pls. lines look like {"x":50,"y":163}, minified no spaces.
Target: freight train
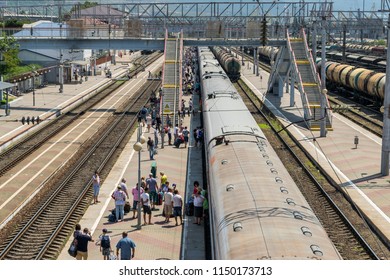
{"x":256,"y":209}
{"x":229,"y":62}
{"x":358,"y":79}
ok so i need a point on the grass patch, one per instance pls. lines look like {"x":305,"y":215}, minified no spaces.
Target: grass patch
{"x":264,"y":126}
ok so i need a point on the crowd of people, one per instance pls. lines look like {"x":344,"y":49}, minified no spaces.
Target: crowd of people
{"x":155,"y":190}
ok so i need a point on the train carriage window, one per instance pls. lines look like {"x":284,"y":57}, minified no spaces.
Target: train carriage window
{"x":297,"y":215}
{"x":230,"y":188}
{"x":306,"y":231}
{"x":284,"y":190}
{"x":316,"y":250}
{"x":237,"y":226}
{"x":290,"y":201}
{"x":269,"y":163}
{"x":278,"y":180}
{"x":273,"y":171}
{"x":265,"y":155}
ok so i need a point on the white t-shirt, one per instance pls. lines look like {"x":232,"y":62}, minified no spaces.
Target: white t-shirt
{"x":145,"y":199}
{"x":168,"y":196}
{"x":149,"y":120}
{"x":177,"y":200}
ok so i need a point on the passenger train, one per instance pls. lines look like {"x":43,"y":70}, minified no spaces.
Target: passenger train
{"x":256,"y":209}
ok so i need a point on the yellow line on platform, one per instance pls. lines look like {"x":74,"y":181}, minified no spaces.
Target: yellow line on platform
{"x":170,"y":86}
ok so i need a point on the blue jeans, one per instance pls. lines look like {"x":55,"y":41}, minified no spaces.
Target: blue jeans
{"x":120,"y":212}
{"x":155,"y":142}
{"x":151,"y":153}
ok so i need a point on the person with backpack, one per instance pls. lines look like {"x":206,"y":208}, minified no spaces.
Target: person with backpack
{"x":105,"y":244}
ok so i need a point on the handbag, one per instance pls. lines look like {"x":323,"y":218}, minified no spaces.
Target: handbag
{"x":112,"y":256}
{"x":72,"y":251}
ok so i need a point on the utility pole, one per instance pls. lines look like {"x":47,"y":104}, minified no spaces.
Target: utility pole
{"x":386,"y":113}
{"x":323,"y":77}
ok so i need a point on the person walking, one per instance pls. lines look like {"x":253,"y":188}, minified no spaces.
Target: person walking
{"x":176,"y":132}
{"x":96,"y":187}
{"x":150,"y":144}
{"x":156,"y":134}
{"x":82,"y":244}
{"x":145,"y":200}
{"x":177,"y":206}
{"x":120,"y":199}
{"x":148,"y":122}
{"x":169,"y":132}
{"x":186,"y":134}
{"x":126,"y":246}
{"x":105,"y":244}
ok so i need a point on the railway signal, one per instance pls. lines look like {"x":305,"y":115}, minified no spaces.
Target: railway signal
{"x":263,"y":32}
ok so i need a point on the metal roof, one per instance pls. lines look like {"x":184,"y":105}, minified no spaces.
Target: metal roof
{"x":5,"y":85}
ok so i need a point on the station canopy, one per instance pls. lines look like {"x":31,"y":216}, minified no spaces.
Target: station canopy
{"x":5,"y":85}
{"x":79,"y":62}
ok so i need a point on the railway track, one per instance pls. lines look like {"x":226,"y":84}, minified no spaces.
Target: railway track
{"x":12,"y":156}
{"x":42,"y":234}
{"x":367,"y":118}
{"x":347,"y":230}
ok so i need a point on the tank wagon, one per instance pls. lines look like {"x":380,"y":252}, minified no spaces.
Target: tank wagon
{"x":268,"y":53}
{"x":256,"y":209}
{"x":230,"y":64}
{"x":363,"y":80}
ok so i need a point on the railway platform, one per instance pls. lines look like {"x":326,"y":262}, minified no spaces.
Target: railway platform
{"x":355,"y":168}
{"x":49,"y":103}
{"x":159,"y":240}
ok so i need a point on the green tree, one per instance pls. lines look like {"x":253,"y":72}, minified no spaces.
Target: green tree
{"x":85,"y":5}
{"x":9,"y":49}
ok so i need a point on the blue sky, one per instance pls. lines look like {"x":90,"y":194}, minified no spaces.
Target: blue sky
{"x":356,"y":4}
{"x":338,"y":4}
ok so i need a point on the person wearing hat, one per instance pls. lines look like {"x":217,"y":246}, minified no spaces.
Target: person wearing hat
{"x":105,"y":244}
{"x":120,"y":199}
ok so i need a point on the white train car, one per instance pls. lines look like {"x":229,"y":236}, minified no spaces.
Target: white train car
{"x":256,"y":210}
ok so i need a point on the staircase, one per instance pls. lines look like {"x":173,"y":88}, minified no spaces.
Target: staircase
{"x":279,"y":72}
{"x":171,"y":81}
{"x":308,"y":82}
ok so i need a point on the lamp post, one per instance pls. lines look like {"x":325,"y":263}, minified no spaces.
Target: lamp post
{"x":34,"y":74}
{"x":138,"y":148}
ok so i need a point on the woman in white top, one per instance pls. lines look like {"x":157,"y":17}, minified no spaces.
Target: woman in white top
{"x":198,"y":207}
{"x":148,"y":122}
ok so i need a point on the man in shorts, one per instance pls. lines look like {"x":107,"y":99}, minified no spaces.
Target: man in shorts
{"x":177,"y":206}
{"x":146,"y":206}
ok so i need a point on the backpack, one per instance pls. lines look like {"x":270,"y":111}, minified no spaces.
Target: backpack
{"x":105,"y":243}
{"x":127,"y":207}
